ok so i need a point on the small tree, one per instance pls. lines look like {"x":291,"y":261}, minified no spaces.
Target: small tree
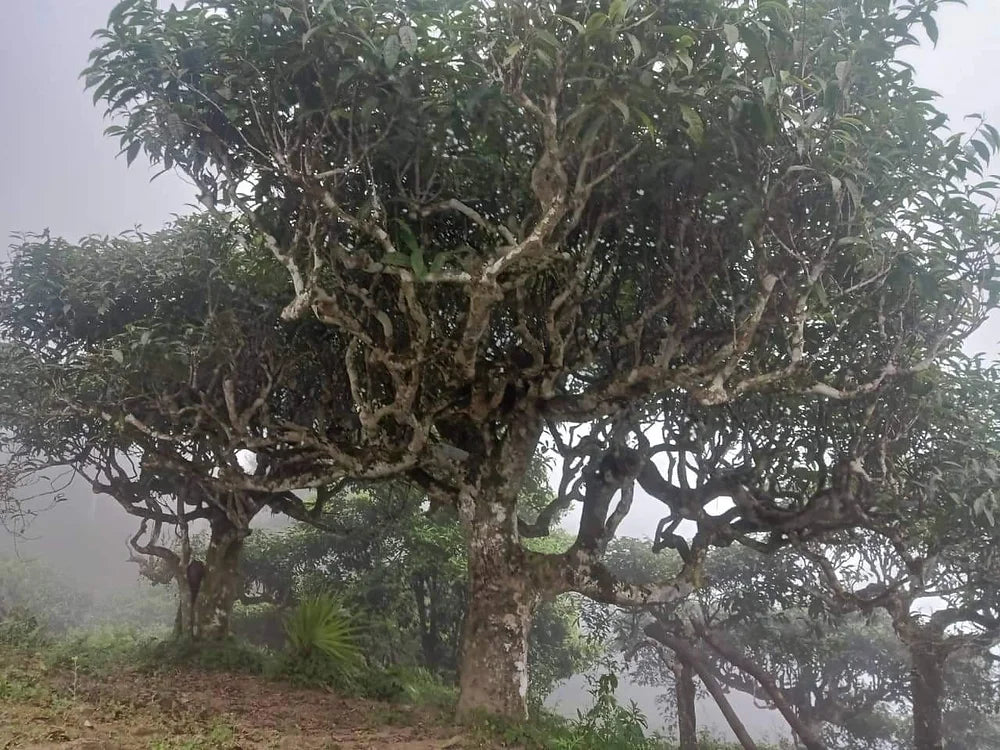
{"x":938,"y":547}
{"x":518,"y":214}
{"x":140,"y":362}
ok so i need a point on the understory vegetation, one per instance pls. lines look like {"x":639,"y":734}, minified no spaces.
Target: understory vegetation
{"x":38,"y":665}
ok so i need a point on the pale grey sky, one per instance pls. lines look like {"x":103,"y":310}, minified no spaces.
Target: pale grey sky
{"x":58,"y":171}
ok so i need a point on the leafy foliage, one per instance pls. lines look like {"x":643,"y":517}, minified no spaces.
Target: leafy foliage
{"x":403,"y":571}
{"x":321,"y":629}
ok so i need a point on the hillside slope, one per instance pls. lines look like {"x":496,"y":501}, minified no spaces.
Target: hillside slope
{"x":184,"y":709}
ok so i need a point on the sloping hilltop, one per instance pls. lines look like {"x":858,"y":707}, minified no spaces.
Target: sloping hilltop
{"x":191,"y":709}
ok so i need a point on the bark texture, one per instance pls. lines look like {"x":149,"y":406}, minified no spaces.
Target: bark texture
{"x":927,"y":684}
{"x":213,"y":606}
{"x":493,"y":675}
{"x":503,"y":592}
{"x":687,"y":718}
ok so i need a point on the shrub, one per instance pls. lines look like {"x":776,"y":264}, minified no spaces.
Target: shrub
{"x":229,"y":655}
{"x":322,"y":642}
{"x":20,"y":629}
{"x":320,"y":623}
{"x":102,"y":649}
{"x":413,"y":685}
{"x":607,"y":725}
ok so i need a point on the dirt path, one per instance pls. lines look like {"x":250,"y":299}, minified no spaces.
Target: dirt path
{"x":190,"y":710}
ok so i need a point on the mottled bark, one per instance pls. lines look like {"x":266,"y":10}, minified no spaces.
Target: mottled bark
{"x":493,"y":673}
{"x":927,"y":684}
{"x":503,"y":590}
{"x":213,"y":606}
{"x":687,"y":718}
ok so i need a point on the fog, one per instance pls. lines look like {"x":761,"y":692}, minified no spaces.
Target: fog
{"x":59,"y":172}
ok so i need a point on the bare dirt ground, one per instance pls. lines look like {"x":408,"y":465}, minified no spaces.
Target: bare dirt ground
{"x":188,"y":710}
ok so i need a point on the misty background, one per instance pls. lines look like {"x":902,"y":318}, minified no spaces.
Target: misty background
{"x":58,"y":172}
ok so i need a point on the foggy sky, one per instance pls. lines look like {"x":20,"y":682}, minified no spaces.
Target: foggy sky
{"x":58,"y":171}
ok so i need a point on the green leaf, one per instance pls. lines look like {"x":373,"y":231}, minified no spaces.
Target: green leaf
{"x":777,"y":11}
{"x":616,"y":12}
{"x":117,"y":356}
{"x":982,"y":149}
{"x":695,"y":125}
{"x":622,"y":107}
{"x":132,"y":152}
{"x":685,"y":59}
{"x":854,"y":190}
{"x":992,"y":135}
{"x":636,"y":46}
{"x":512,"y":51}
{"x":408,"y":38}
{"x":438,"y":263}
{"x":572,"y":22}
{"x":396,"y":259}
{"x":596,"y":22}
{"x":118,"y":12}
{"x":409,"y":238}
{"x":837,"y":186}
{"x":647,"y":122}
{"x":390,"y":51}
{"x":770,"y":88}
{"x":753,"y":38}
{"x":417,"y":263}
{"x":732,"y":34}
{"x":931,"y":27}
{"x":548,"y":38}
{"x":852,"y":241}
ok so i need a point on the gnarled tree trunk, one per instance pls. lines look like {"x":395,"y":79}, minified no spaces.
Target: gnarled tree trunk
{"x":493,"y":671}
{"x":927,"y":685}
{"x":493,"y":665}
{"x":220,"y":587}
{"x":809,"y":732}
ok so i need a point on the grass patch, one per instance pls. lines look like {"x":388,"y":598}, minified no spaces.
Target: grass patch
{"x":17,"y":686}
{"x":99,"y":651}
{"x":229,"y":655}
{"x":218,"y":736}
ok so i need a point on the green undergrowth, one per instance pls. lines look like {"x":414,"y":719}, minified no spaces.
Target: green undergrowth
{"x":102,"y":651}
{"x":607,"y":725}
{"x":549,"y":732}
